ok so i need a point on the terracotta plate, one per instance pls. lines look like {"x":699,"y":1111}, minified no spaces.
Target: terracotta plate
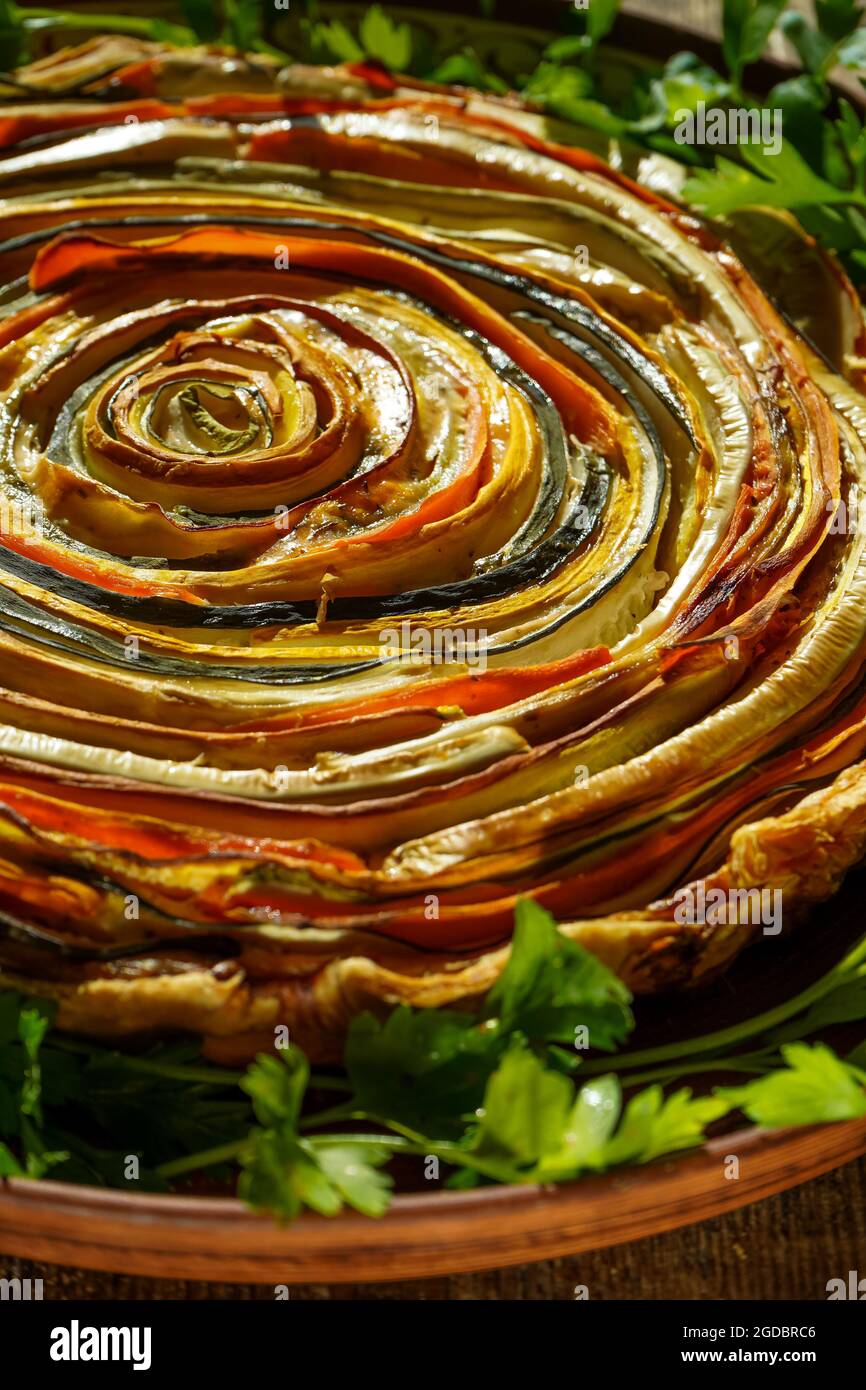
{"x":436,"y":1232}
{"x":422,"y":1236}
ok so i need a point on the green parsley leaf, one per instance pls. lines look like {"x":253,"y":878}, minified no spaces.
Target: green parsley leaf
{"x":551,"y":986}
{"x":655,"y":1124}
{"x":242,"y":23}
{"x":585,"y":1139}
{"x":600,"y":18}
{"x":33,"y":1023}
{"x":837,"y":18}
{"x":651,"y":1126}
{"x":281,"y":1172}
{"x":565,"y":92}
{"x":525,"y":1111}
{"x":684,"y":83}
{"x":532,"y":1119}
{"x":386,"y":40}
{"x":13,"y":36}
{"x":596,"y":21}
{"x":428,"y":1067}
{"x":354,"y":1171}
{"x":9,"y":1165}
{"x":465,"y":69}
{"x":802,"y":101}
{"x":746,"y":27}
{"x":567,"y":48}
{"x":32,"y":1027}
{"x":29,"y":1073}
{"x":780,"y":181}
{"x":277,"y":1086}
{"x":851,"y":52}
{"x":202,"y":17}
{"x":814,"y":48}
{"x":815,"y":1087}
{"x":334,"y":42}
{"x":424,"y":1067}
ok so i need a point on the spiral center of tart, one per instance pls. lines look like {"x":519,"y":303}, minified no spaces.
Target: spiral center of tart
{"x":205,"y":418}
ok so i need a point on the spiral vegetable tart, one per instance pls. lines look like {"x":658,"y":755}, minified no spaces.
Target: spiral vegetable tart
{"x":404,"y":512}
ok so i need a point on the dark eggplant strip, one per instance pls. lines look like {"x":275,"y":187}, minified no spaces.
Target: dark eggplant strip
{"x":600,"y":364}
{"x":536,"y":568}
{"x":109,"y":653}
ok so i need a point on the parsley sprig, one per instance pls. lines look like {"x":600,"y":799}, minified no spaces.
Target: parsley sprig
{"x":498,"y":1095}
{"x":819,"y":174}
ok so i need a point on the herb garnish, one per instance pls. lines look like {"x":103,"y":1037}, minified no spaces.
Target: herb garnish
{"x":490,"y":1094}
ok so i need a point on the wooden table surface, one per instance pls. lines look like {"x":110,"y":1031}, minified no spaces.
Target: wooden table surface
{"x":785,"y":1248}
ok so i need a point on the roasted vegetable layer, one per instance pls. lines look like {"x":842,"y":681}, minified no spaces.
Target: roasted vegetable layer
{"x":403,"y":511}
